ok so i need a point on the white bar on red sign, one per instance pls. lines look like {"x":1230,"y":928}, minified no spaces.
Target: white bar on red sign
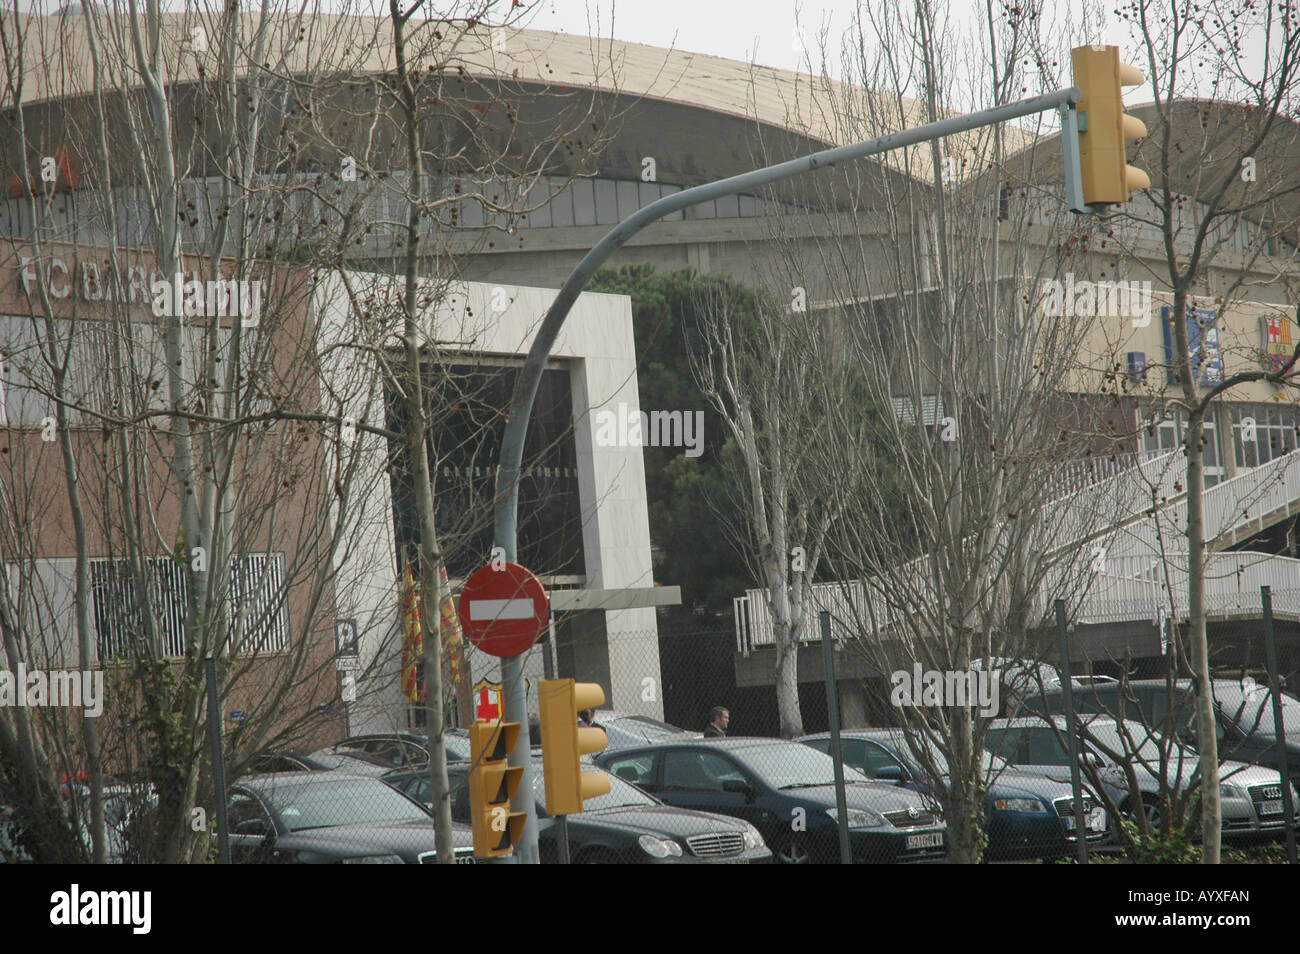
{"x":501,"y":609}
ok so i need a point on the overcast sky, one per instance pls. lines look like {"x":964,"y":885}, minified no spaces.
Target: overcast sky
{"x":767,"y":32}
{"x":760,"y":30}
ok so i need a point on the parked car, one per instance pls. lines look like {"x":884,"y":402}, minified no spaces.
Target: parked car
{"x":1250,"y":796}
{"x":332,"y":818}
{"x":1019,"y":678}
{"x":1026,"y":815}
{"x":355,"y":763}
{"x":399,"y":749}
{"x":625,"y":826}
{"x":628,"y":728}
{"x":1243,"y":711}
{"x":786,"y":791}
{"x":123,"y":805}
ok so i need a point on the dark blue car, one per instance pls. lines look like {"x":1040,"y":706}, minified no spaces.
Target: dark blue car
{"x":787,"y":792}
{"x":1026,"y":815}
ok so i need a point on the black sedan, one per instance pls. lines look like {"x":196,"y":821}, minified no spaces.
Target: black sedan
{"x":786,"y":790}
{"x":331,"y":818}
{"x":1025,"y":815}
{"x":626,"y":728}
{"x":356,"y":763}
{"x":399,"y":749}
{"x":625,"y":826}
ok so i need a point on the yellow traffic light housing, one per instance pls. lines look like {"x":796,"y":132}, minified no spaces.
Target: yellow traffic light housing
{"x":1104,"y":126}
{"x":492,"y":783}
{"x":564,"y":744}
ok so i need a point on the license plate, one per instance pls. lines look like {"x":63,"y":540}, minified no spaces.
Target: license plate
{"x":1271,"y":808}
{"x":1094,"y":820}
{"x":932,"y":840}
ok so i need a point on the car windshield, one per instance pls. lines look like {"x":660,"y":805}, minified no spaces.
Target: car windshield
{"x":1250,"y":707}
{"x":1137,"y":741}
{"x":326,"y":803}
{"x":792,"y":765}
{"x":644,"y":726}
{"x":621,"y":793}
{"x":989,"y":762}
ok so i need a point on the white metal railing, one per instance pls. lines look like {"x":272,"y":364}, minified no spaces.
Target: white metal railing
{"x":1135,"y":576}
{"x":1232,"y":582}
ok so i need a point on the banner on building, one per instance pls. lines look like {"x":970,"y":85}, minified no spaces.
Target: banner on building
{"x":1277,"y":342}
{"x":412,"y":641}
{"x":1202,"y":346}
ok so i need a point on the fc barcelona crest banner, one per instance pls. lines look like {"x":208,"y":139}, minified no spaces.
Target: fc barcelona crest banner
{"x":1277,"y":342}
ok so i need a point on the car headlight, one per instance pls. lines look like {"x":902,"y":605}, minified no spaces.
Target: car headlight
{"x":859,"y":818}
{"x":1026,"y":806}
{"x":374,"y":860}
{"x":1227,"y":790}
{"x":659,"y":847}
{"x":753,"y":840}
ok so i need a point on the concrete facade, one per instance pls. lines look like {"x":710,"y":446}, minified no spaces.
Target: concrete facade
{"x":619,"y":649}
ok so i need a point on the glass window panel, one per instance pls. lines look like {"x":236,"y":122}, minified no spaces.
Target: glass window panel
{"x":706,"y":210}
{"x":584,"y":202}
{"x":606,"y":201}
{"x":648,"y":192}
{"x":728,"y":207}
{"x":561,"y":205}
{"x":629,"y":198}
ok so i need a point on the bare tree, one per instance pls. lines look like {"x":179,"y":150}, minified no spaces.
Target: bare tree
{"x":767,"y":368}
{"x":1221,"y":157}
{"x":946,"y":427}
{"x":220,"y":150}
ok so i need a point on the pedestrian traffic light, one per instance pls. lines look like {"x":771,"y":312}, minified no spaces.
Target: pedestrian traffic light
{"x":1103,"y":126}
{"x":564,"y":744}
{"x":492,"y":784}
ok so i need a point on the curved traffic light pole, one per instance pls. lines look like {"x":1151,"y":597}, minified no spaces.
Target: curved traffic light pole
{"x":530,"y":375}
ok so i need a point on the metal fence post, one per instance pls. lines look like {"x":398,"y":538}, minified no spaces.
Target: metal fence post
{"x":218,"y":759}
{"x":1076,"y":786}
{"x":833,"y":714}
{"x":1279,"y":726}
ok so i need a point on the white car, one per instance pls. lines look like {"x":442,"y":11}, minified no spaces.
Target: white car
{"x":1250,"y":796}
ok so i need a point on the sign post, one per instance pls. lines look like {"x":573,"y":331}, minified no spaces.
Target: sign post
{"x":503,"y":609}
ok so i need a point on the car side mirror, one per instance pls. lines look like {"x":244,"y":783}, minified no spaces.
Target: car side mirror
{"x":890,"y":773}
{"x":738,"y":786}
{"x":253,"y":826}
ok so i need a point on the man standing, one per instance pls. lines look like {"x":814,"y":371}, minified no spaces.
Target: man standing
{"x":719,"y":717}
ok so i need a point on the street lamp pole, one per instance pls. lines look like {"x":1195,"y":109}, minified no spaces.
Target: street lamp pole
{"x":530,"y":375}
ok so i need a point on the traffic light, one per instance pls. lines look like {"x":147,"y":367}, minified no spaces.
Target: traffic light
{"x":492,"y":783}
{"x":564,"y":743}
{"x":1107,"y":176}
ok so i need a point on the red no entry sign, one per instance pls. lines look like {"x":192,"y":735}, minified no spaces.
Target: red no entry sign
{"x":503,"y":609}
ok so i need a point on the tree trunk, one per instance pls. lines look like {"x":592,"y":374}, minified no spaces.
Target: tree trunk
{"x":1207,"y":742}
{"x":416,"y":439}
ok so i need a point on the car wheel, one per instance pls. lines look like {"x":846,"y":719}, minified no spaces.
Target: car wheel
{"x":1151,"y":808}
{"x":793,"y":852}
